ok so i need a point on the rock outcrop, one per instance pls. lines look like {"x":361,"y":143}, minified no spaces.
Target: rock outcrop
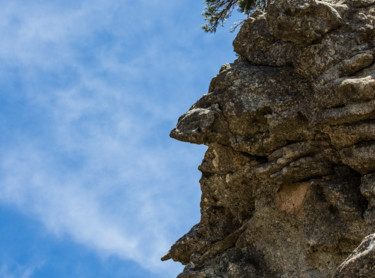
{"x":288,"y":180}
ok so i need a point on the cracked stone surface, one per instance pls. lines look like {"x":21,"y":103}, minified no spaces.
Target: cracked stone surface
{"x":288,"y":180}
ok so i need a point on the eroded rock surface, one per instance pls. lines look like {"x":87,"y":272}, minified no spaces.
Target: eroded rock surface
{"x":288,"y":180}
{"x":361,"y":262}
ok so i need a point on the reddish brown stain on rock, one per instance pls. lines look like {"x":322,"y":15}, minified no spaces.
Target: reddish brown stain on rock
{"x":291,"y":198}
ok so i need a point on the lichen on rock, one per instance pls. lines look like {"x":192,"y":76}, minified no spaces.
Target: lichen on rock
{"x":288,"y":180}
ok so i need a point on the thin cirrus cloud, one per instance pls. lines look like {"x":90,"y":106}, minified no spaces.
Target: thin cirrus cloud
{"x":18,"y":272}
{"x":96,"y":86}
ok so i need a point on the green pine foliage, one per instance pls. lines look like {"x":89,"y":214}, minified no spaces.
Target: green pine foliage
{"x":217,"y":11}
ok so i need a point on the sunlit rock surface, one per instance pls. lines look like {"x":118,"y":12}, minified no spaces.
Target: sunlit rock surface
{"x":288,"y":180}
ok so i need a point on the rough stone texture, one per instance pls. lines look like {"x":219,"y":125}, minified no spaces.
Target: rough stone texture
{"x":361,"y":261}
{"x":288,"y":180}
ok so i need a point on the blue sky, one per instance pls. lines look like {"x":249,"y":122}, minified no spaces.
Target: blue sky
{"x":90,"y":183}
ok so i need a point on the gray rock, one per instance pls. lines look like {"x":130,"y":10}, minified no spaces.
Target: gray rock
{"x":289,"y":175}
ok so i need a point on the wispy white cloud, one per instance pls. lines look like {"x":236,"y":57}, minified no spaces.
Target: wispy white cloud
{"x":113,"y":213}
{"x":18,"y":271}
{"x":102,"y":171}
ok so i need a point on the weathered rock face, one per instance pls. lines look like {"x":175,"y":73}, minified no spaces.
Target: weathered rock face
{"x":288,"y":180}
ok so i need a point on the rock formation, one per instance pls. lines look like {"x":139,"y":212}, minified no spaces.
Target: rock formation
{"x":288,"y":180}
